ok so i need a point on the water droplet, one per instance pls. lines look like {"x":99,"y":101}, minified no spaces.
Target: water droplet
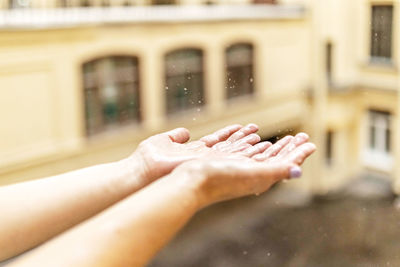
{"x":268,"y":254}
{"x":199,"y":101}
{"x":185,"y":89}
{"x":194,"y":119}
{"x":251,"y":80}
{"x":198,"y":110}
{"x":166,"y":88}
{"x":245,"y":252}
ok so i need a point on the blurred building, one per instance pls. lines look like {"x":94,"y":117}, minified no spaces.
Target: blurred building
{"x":82,"y":82}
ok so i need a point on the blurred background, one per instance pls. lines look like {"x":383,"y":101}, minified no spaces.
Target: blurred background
{"x":82,"y":82}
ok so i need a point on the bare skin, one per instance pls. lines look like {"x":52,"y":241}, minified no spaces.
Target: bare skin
{"x":133,"y":230}
{"x":36,"y":211}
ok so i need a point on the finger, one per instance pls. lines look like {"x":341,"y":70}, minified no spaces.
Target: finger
{"x":245,"y":131}
{"x":274,"y":149}
{"x":220,"y":135}
{"x":256,"y":149}
{"x":303,"y":151}
{"x":239,"y":145}
{"x":225,"y":147}
{"x":271,"y":173}
{"x":251,"y":139}
{"x":179,"y":135}
{"x":280,"y":171}
{"x":298,"y":140}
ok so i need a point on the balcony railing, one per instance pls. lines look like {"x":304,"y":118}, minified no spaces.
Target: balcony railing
{"x":74,"y":17}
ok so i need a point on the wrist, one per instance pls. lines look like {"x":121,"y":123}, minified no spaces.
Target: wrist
{"x":191,"y":176}
{"x":135,"y":169}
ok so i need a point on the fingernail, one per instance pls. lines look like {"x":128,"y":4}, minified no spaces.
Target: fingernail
{"x":295,"y":172}
{"x":252,"y":126}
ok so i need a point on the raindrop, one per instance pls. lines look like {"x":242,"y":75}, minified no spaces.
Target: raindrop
{"x":198,"y":110}
{"x":268,"y":254}
{"x":194,"y":119}
{"x":251,"y":80}
{"x":199,"y":101}
{"x":245,"y":252}
{"x":166,"y":88}
{"x":185,"y":89}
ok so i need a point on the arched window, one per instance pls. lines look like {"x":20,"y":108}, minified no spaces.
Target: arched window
{"x":184,"y":80}
{"x":111,"y":87}
{"x":239,"y":72}
{"x":163,"y":2}
{"x":19,"y":4}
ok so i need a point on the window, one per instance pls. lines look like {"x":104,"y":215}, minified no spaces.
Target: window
{"x":329,"y":147}
{"x":239,"y":73}
{"x":127,"y":3}
{"x":264,"y":1}
{"x":84,"y":3}
{"x":111,"y":93}
{"x":163,"y":2}
{"x":184,"y":80}
{"x":381,"y":32}
{"x":329,"y":56}
{"x":18,"y":3}
{"x":379,"y":131}
{"x":64,"y":3}
{"x":105,"y":3}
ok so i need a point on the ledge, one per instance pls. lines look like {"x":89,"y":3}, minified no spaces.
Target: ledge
{"x":32,"y":19}
{"x":382,"y":66}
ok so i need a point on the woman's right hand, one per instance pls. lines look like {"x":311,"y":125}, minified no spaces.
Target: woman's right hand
{"x":219,"y":178}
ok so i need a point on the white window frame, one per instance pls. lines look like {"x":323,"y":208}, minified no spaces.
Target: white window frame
{"x":378,"y":157}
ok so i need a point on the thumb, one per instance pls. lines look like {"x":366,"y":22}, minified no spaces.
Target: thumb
{"x":179,"y":135}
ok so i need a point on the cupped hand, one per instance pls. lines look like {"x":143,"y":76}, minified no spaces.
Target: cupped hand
{"x":161,"y":153}
{"x":248,"y":172}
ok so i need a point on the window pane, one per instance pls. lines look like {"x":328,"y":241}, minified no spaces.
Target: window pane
{"x":111,"y":92}
{"x":163,"y":2}
{"x":239,"y":61}
{"x":379,"y":131}
{"x":381,"y":31}
{"x":184,"y":80}
{"x":372,"y":134}
{"x":329,"y":147}
{"x":93,"y":112}
{"x":387,"y":140}
{"x":19,"y":3}
{"x":329,"y":51}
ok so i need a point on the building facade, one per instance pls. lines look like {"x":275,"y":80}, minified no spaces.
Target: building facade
{"x":84,"y":85}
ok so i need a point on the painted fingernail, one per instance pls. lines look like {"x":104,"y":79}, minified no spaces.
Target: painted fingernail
{"x":295,"y":172}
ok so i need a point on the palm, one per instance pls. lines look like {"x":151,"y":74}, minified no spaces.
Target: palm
{"x":163,"y":152}
{"x":239,"y":175}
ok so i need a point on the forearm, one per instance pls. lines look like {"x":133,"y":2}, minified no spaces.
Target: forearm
{"x":33,"y":212}
{"x":128,"y":233}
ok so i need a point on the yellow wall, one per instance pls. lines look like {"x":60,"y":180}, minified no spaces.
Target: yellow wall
{"x":41,"y":102}
{"x":41,"y":81}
